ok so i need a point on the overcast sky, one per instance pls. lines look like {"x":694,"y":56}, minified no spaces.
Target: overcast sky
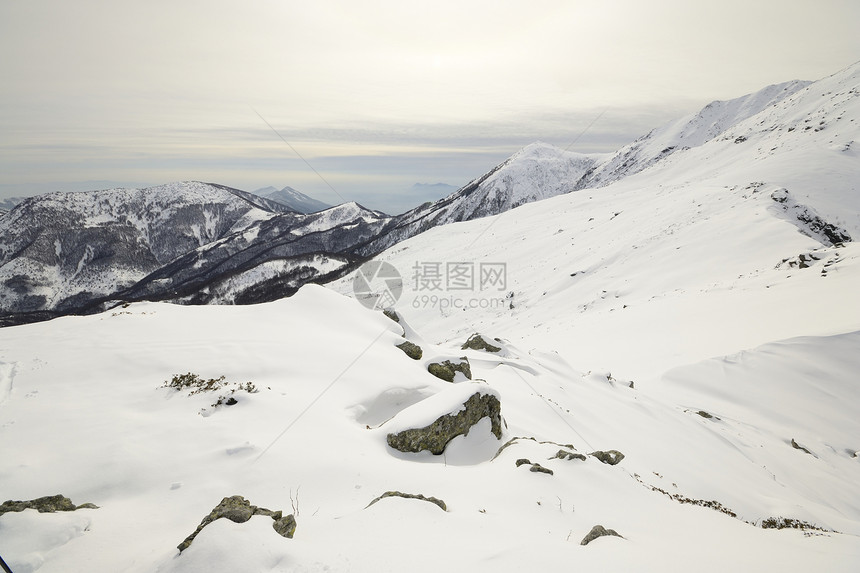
{"x":376,"y":96}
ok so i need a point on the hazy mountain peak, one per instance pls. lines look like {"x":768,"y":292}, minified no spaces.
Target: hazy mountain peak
{"x":292,"y":198}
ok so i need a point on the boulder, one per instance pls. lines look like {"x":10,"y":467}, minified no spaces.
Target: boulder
{"x":598,"y":531}
{"x":413,"y":351}
{"x":477,"y":342}
{"x":610,"y":457}
{"x":565,"y":455}
{"x":435,"y":437}
{"x":239,"y":510}
{"x":447,"y":370}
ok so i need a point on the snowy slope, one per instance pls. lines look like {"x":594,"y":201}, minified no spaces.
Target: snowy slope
{"x":712,"y":235}
{"x":311,"y":441}
{"x":684,"y":133}
{"x":700,"y":317}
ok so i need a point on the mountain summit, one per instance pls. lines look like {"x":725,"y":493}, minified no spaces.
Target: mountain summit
{"x":292,"y":199}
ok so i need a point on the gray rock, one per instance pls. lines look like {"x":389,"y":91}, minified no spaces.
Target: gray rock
{"x":239,"y":510}
{"x":477,"y":342}
{"x":285,"y":526}
{"x":391,"y":314}
{"x":598,"y":531}
{"x":413,"y":351}
{"x":610,"y":457}
{"x":435,"y":437}
{"x":47,"y":504}
{"x":523,"y":461}
{"x":797,"y":446}
{"x":433,"y":500}
{"x":447,"y":369}
{"x":565,"y":455}
{"x":537,"y":468}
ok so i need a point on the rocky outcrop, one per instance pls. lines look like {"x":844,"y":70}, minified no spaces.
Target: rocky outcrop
{"x":610,"y":457}
{"x":413,"y":351}
{"x":435,"y":437}
{"x":477,"y":342}
{"x":598,"y":531}
{"x":239,"y":510}
{"x":447,"y":370}
{"x":432,"y":500}
{"x":47,"y":504}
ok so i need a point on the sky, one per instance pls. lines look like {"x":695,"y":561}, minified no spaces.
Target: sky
{"x":359,"y":101}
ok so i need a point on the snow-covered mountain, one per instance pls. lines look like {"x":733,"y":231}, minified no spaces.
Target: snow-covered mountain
{"x":671,"y":357}
{"x":60,"y":251}
{"x":266,"y":260}
{"x":536,"y":172}
{"x":292,"y":199}
{"x":685,"y":133}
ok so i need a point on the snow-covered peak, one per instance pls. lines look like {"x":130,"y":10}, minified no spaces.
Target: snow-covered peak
{"x":687,"y":132}
{"x":292,"y":198}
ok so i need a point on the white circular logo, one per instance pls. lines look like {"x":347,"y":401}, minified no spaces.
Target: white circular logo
{"x":377,"y":285}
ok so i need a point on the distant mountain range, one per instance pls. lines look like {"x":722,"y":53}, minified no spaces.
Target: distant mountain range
{"x":293,"y":199}
{"x":200,"y":243}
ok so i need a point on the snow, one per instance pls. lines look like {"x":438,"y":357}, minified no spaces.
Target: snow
{"x":631,"y":313}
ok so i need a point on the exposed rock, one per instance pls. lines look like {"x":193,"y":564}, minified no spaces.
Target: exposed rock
{"x":435,"y":437}
{"x":447,"y":370}
{"x":239,"y":510}
{"x":391,"y":314}
{"x":477,"y":342}
{"x":598,"y":531}
{"x":533,"y":467}
{"x":704,"y":414}
{"x":797,"y":446}
{"x":47,"y":504}
{"x":540,"y":469}
{"x":285,"y":526}
{"x":610,"y":457}
{"x":565,"y":455}
{"x":413,"y":351}
{"x":433,"y":500}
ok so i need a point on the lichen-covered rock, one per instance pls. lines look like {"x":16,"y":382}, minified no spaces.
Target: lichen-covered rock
{"x":285,"y":526}
{"x":477,"y":342}
{"x":47,"y":504}
{"x":447,"y":370}
{"x":610,"y":457}
{"x":598,"y":531}
{"x":239,"y":510}
{"x":413,"y":351}
{"x":435,"y":437}
{"x":565,"y":455}
{"x":432,"y":500}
